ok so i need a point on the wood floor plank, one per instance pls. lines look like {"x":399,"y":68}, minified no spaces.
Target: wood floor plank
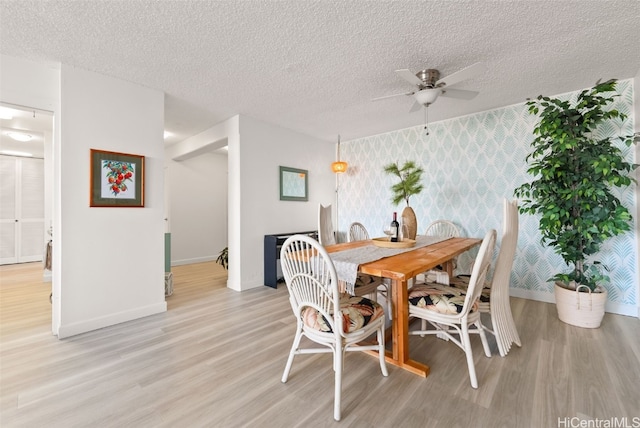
{"x":215,"y":359}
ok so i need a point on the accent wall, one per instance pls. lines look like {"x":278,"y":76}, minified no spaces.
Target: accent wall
{"x":471,"y":164}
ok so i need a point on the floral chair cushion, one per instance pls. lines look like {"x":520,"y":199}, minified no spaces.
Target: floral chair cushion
{"x":440,"y":298}
{"x":364,"y":280}
{"x":462,"y":281}
{"x":365,"y":284}
{"x":357,"y":312}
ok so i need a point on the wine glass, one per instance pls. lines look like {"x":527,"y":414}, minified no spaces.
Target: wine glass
{"x":386,"y":228}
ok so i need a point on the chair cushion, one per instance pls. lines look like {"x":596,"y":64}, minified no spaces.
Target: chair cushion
{"x":357,"y":312}
{"x":364,"y":280}
{"x":365,"y":284}
{"x":440,"y":298}
{"x":462,"y":281}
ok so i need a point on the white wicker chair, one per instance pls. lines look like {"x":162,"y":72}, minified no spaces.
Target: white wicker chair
{"x":444,"y":228}
{"x":495,"y":296}
{"x":326,"y":234}
{"x":366,"y":285}
{"x":322,"y":314}
{"x":357,"y":232}
{"x":452,"y":310}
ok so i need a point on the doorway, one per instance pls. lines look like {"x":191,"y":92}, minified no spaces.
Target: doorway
{"x":26,"y":189}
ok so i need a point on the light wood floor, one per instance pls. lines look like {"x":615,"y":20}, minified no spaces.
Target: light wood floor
{"x":215,"y":359}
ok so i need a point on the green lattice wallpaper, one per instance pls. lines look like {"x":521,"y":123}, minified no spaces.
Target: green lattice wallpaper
{"x":471,"y":163}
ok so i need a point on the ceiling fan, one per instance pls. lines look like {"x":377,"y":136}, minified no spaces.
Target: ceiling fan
{"x":429,"y":85}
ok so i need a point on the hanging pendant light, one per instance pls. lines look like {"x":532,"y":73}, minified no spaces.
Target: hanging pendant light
{"x":339,"y":167}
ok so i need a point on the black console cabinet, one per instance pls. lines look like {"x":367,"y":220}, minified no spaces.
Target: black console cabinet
{"x":272,"y":245}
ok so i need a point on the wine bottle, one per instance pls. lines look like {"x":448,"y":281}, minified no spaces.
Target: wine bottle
{"x":395,"y":227}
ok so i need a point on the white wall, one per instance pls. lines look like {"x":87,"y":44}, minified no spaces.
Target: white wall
{"x":111,"y":259}
{"x":256,"y":150}
{"x":100,"y":254}
{"x":263,"y":148}
{"x":30,"y":83}
{"x":198,"y":207}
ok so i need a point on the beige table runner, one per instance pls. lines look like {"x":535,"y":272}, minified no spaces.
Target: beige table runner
{"x":347,"y":261}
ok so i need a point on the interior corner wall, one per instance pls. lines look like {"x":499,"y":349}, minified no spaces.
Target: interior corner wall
{"x":111,"y":259}
{"x":263,"y":148}
{"x":256,"y":150}
{"x":198,"y":207}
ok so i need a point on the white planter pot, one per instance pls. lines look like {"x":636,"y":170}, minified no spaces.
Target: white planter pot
{"x":580,"y":308}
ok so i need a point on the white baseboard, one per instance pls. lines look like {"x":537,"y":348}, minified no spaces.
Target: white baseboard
{"x":620,"y":309}
{"x":541,"y":296}
{"x":193,"y":260}
{"x":47,"y":276}
{"x":252,"y":284}
{"x":75,"y":328}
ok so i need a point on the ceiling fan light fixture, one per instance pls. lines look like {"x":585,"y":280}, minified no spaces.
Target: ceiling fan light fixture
{"x":427,"y":96}
{"x":19,"y":136}
{"x":6,"y":113}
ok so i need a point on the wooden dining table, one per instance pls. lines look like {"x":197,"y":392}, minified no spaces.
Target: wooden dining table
{"x":400,"y":269}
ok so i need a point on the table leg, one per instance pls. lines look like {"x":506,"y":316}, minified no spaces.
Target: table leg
{"x":399,"y":355}
{"x":448,"y":267}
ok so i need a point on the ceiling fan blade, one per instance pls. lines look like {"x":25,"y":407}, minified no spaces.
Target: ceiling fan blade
{"x":459,"y":76}
{"x":461,"y":94}
{"x":415,"y":107}
{"x":409,"y":76}
{"x":391,"y":96}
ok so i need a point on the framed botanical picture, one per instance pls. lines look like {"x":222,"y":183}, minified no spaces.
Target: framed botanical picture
{"x":294,"y":185}
{"x":117,"y":179}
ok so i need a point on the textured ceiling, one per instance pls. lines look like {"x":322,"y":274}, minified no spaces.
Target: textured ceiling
{"x":313,"y":66}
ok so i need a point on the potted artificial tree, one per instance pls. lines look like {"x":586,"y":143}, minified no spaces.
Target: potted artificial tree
{"x":575,"y":170}
{"x":410,"y":175}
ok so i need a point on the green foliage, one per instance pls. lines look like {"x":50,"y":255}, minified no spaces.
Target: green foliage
{"x":574,"y":173}
{"x":223,"y":258}
{"x":409,"y":184}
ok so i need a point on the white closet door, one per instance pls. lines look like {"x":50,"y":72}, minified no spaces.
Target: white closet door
{"x":31,"y":223}
{"x":22,"y":210}
{"x":8,"y":216}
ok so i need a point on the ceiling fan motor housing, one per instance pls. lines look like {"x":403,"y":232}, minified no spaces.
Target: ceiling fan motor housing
{"x":429,"y":77}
